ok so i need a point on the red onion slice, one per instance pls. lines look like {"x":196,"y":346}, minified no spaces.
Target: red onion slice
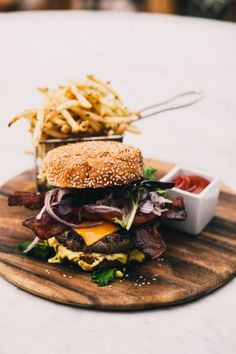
{"x":158,"y":211}
{"x":147,"y":207}
{"x":102,"y":209}
{"x":32,"y":244}
{"x":50,"y":211}
{"x":155,"y":198}
{"x":39,"y":215}
{"x":61,"y":193}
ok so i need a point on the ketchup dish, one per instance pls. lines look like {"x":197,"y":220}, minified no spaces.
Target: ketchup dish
{"x":192,"y":183}
{"x":200,"y":191}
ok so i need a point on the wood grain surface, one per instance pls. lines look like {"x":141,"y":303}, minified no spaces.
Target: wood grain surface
{"x":192,"y":266}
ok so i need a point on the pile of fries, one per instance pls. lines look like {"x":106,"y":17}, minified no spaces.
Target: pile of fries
{"x":87,"y":108}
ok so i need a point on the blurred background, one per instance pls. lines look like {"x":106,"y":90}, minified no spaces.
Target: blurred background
{"x":215,"y":9}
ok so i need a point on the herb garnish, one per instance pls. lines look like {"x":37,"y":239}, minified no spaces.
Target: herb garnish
{"x":41,"y":249}
{"x":149,"y":173}
{"x":161,"y":192}
{"x":104,"y":276}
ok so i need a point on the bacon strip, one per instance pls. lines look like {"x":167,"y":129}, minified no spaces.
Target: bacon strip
{"x":149,"y":240}
{"x":176,"y":210}
{"x":46,"y":227}
{"x":30,"y":200}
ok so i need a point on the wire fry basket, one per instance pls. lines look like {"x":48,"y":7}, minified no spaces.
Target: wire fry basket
{"x":184,"y":99}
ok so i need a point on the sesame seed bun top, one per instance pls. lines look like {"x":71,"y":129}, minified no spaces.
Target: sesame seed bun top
{"x":92,"y":164}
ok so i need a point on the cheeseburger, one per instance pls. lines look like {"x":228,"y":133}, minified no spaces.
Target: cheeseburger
{"x":99,"y":211}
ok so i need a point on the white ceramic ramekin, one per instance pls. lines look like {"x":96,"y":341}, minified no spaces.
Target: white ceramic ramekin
{"x":200,"y":207}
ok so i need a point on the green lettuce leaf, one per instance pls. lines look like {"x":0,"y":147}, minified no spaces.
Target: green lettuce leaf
{"x":149,"y":173}
{"x":161,"y":192}
{"x":104,"y":276}
{"x":41,"y":249}
{"x":127,"y":219}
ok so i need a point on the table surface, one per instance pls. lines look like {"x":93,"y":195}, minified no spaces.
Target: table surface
{"x":148,"y":58}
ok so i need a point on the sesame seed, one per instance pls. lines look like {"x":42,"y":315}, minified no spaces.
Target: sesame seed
{"x":123,"y":166}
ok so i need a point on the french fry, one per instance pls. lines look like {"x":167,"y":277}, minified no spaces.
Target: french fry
{"x":49,"y":125}
{"x":27,"y":114}
{"x":119,"y":120}
{"x":55,"y":134}
{"x":88,"y":107}
{"x":82,"y":100}
{"x":133,"y":129}
{"x":43,"y":89}
{"x":14,"y":119}
{"x":59,"y":121}
{"x":96,"y":87}
{"x":85,"y":114}
{"x":70,"y":120}
{"x":65,"y":128}
{"x":104,"y":84}
{"x":38,"y":127}
{"x":84,"y":126}
{"x":94,"y":120}
{"x":121,"y":128}
{"x":67,"y":104}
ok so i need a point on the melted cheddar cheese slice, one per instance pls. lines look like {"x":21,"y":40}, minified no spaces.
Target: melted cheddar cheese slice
{"x":94,"y":234}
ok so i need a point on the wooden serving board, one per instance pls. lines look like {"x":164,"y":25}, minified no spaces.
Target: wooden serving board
{"x":192,"y":267}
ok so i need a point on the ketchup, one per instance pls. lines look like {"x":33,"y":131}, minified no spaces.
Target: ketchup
{"x":192,"y":184}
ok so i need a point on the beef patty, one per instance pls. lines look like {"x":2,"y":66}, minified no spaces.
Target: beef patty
{"x":112,"y":243}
